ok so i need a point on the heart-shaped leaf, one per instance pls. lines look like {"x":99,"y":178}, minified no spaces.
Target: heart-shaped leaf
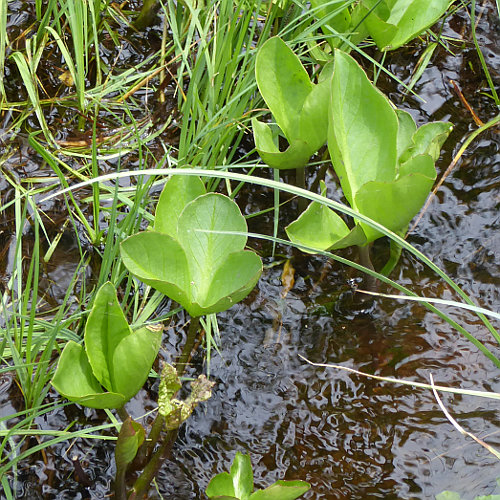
{"x":317,"y":227}
{"x":179,"y":190}
{"x":283,"y":83}
{"x":379,"y":200}
{"x":206,"y":269}
{"x":120,"y":358}
{"x":428,"y":139}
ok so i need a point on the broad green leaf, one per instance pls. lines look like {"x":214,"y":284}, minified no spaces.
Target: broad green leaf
{"x":237,"y":483}
{"x":75,"y":381}
{"x":131,"y":436}
{"x":241,"y":269}
{"x":282,"y":490}
{"x":179,"y":190}
{"x":283,"y":83}
{"x":106,"y":327}
{"x":159,"y":261}
{"x":206,"y":270}
{"x":355,"y":237}
{"x":392,"y":204}
{"x":132,"y":360}
{"x":207,"y":250}
{"x":420,"y":164}
{"x":392,"y":24}
{"x":363,"y":128}
{"x":298,"y":106}
{"x":313,"y":122}
{"x":318,"y":227}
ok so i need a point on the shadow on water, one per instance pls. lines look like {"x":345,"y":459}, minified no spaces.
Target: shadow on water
{"x":350,"y":437}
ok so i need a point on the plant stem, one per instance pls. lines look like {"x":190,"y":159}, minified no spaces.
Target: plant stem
{"x":300,"y":181}
{"x":364,"y":257}
{"x":123,"y":413}
{"x":144,"y":480}
{"x":183,"y":359}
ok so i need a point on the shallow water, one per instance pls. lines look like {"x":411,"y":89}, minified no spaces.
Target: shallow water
{"x":350,"y":437}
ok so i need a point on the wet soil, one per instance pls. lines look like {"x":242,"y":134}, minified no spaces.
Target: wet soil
{"x":350,"y":437}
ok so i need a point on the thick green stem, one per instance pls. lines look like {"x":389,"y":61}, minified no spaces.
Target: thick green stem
{"x":162,"y":453}
{"x":120,"y":484}
{"x":393,"y":258}
{"x":183,"y":359}
{"x":300,"y":181}
{"x":123,"y":413}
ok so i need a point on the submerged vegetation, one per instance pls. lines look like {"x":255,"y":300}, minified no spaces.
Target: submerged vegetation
{"x":143,"y":133}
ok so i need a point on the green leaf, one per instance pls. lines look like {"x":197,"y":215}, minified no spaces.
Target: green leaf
{"x":428,"y":139}
{"x":363,"y":129}
{"x":394,"y":23}
{"x":106,"y":327}
{"x":393,"y":204}
{"x":318,"y":227}
{"x":282,"y":490}
{"x":133,"y":358}
{"x":131,"y":436}
{"x":120,"y":358}
{"x":159,"y":261}
{"x":236,"y":483}
{"x":340,"y":22}
{"x":295,"y":156}
{"x":406,"y":128}
{"x":206,"y":271}
{"x":75,"y":381}
{"x":298,"y":106}
{"x":179,"y":190}
{"x":283,"y":83}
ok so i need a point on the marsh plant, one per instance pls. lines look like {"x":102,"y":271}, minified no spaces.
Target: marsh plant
{"x":195,"y":255}
{"x":385,"y":165}
{"x":211,"y":60}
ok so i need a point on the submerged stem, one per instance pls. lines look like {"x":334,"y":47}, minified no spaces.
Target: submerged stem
{"x":364,"y":257}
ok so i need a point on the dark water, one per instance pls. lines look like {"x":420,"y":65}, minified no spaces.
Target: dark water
{"x":350,"y":437}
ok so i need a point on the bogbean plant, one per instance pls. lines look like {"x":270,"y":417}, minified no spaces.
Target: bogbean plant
{"x":385,"y":165}
{"x":195,"y":255}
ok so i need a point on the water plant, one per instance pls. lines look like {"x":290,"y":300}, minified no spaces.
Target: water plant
{"x":296,"y":103}
{"x":190,"y":255}
{"x":208,"y":53}
{"x":238,"y":484}
{"x":385,"y":165}
{"x":114,"y":357}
